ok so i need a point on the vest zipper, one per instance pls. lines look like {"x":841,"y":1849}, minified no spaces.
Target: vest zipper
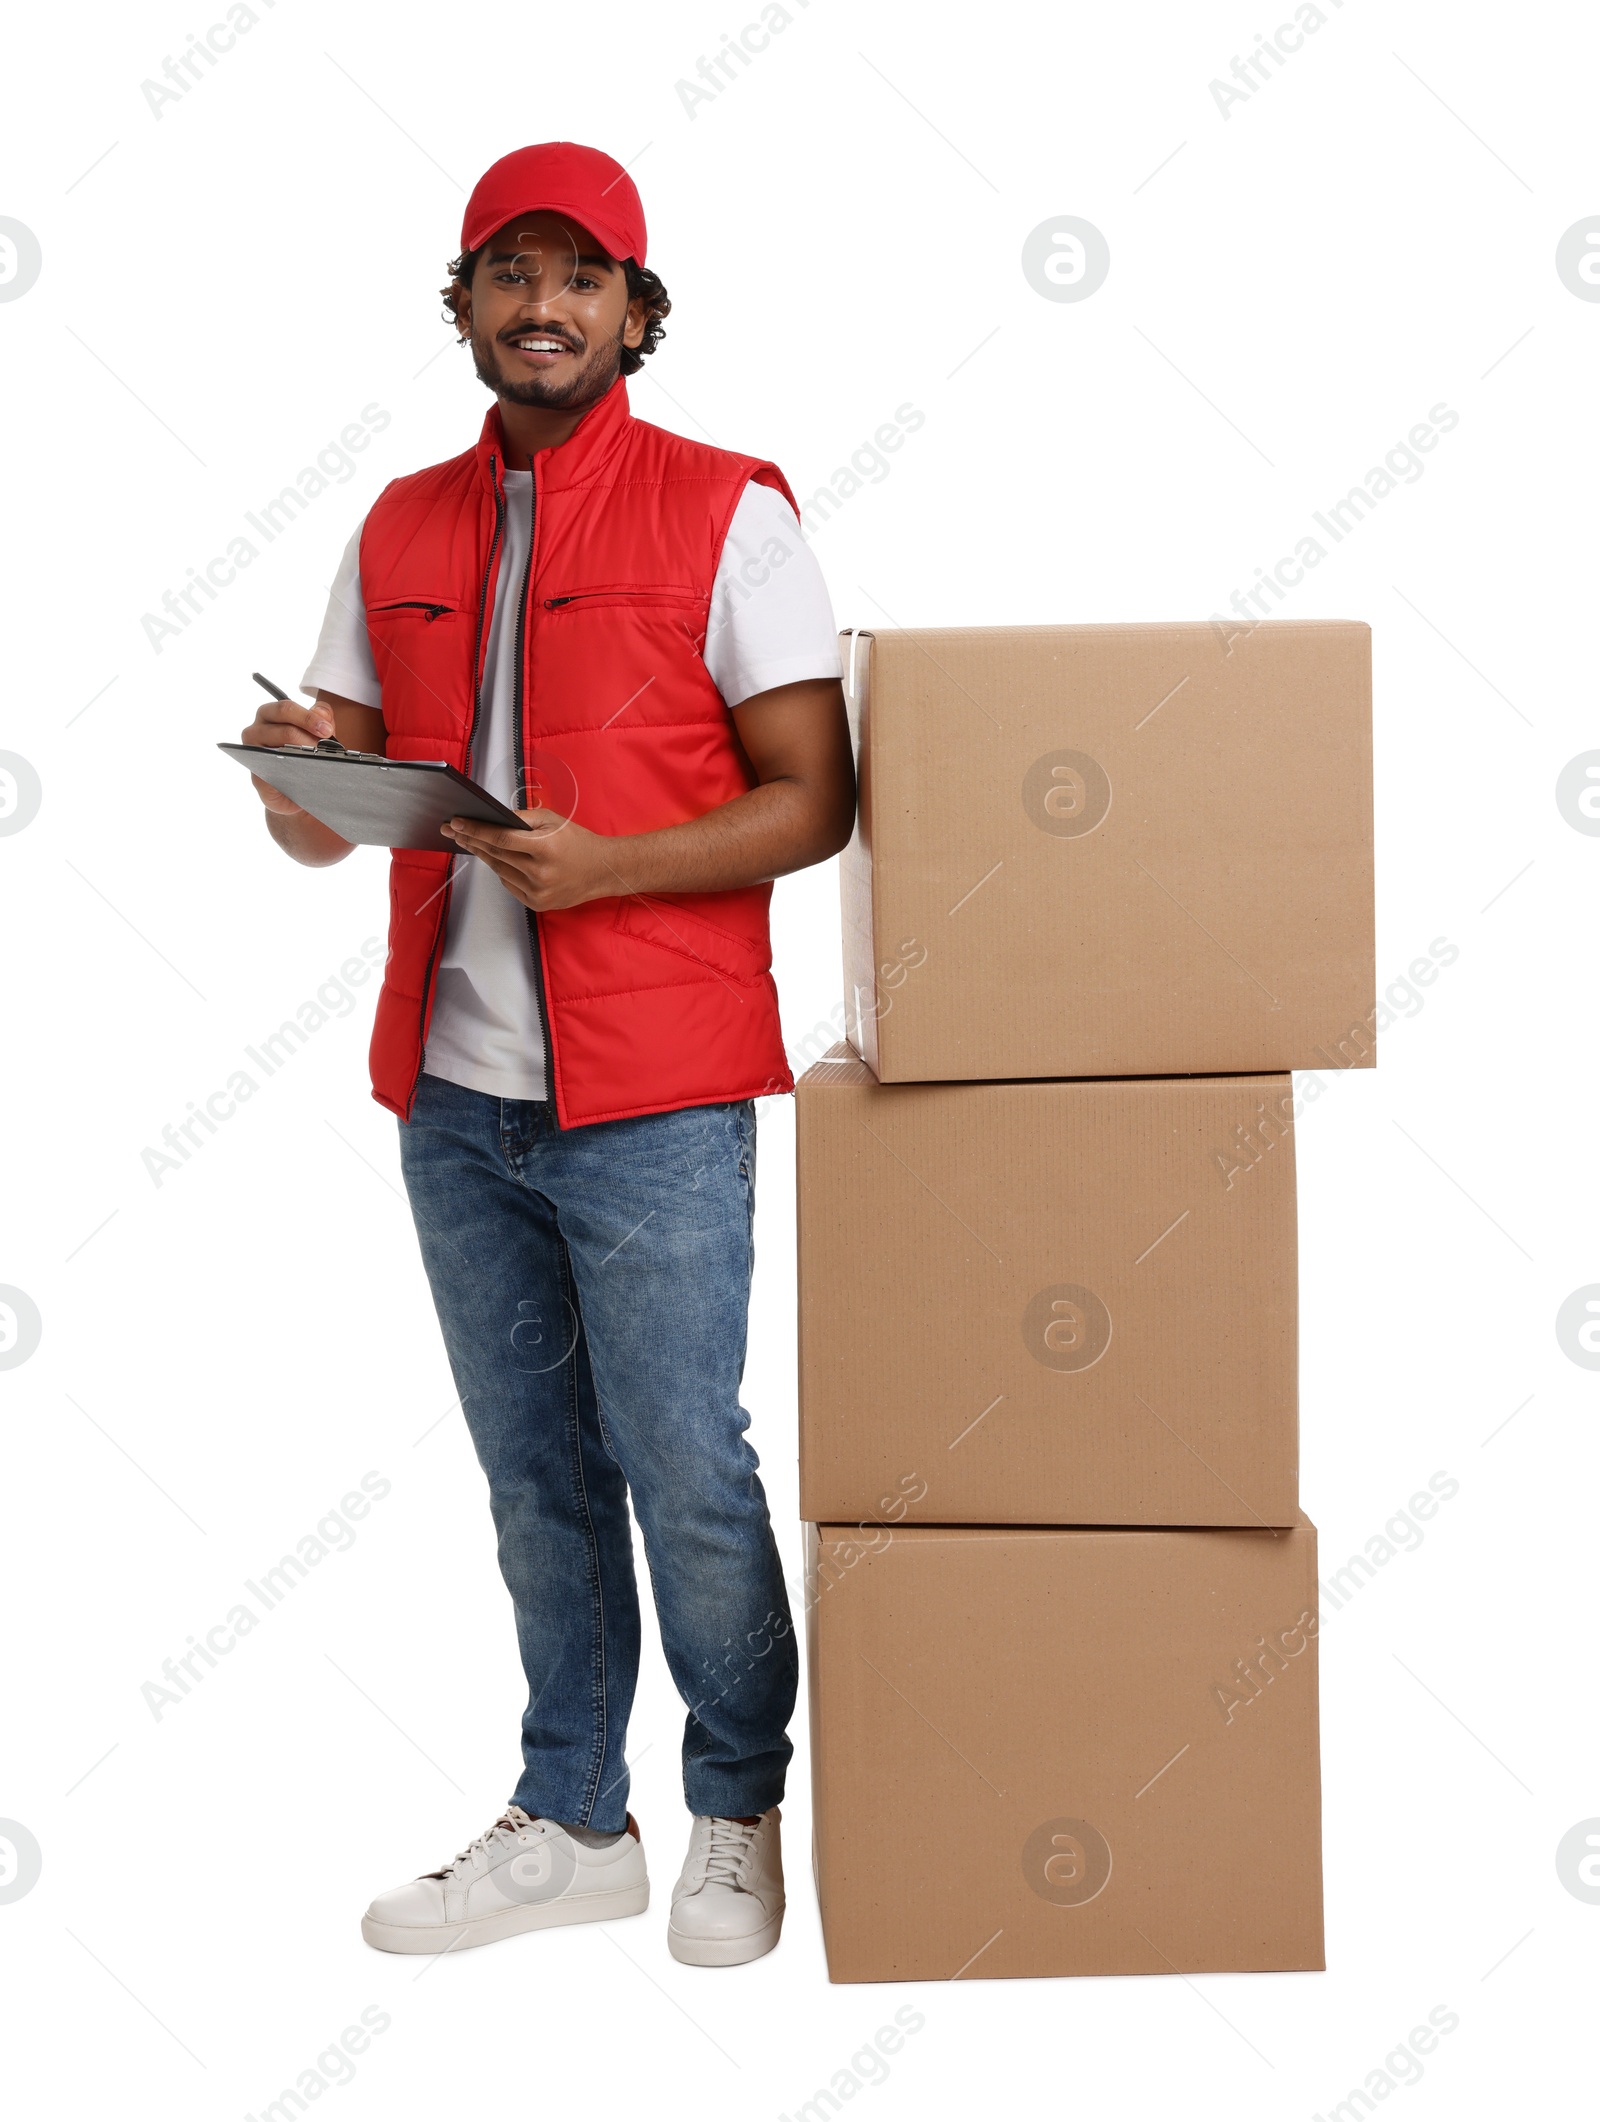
{"x":522,"y":790}
{"x":477,"y":709}
{"x":414,"y":604}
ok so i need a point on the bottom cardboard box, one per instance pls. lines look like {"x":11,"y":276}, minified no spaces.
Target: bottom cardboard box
{"x":1064,"y":1751}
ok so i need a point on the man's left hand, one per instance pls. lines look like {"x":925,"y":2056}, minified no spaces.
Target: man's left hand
{"x":552,"y":863}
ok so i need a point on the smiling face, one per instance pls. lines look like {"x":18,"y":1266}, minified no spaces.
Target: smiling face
{"x":548,"y":314}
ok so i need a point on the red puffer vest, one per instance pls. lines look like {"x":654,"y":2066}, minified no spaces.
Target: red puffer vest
{"x":649,"y":1003}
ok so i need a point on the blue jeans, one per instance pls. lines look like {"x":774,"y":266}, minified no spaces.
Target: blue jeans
{"x":593,"y":1288}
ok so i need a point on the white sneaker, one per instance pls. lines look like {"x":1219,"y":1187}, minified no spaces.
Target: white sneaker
{"x":522,"y":1874}
{"x":727,"y":1906}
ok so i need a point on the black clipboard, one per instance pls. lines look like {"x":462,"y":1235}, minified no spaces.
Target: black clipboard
{"x":372,"y":801}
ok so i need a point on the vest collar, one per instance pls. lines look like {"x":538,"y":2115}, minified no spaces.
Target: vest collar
{"x":590,"y":446}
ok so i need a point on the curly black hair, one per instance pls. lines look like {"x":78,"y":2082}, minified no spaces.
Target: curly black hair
{"x":643,"y":286}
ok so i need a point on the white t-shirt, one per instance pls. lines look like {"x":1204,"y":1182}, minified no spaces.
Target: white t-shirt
{"x":770,"y":623}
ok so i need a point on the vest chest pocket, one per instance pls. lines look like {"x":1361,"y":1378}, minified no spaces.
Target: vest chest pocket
{"x":642,"y":595}
{"x":404,"y":611}
{"x":422,"y":653}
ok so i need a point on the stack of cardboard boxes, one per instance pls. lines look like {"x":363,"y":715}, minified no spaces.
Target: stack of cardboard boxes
{"x":1109,"y":885}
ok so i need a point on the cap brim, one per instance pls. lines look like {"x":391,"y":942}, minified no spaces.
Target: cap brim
{"x":610,"y":236}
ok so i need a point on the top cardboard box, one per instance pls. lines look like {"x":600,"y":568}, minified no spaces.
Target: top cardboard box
{"x":1110,"y":850}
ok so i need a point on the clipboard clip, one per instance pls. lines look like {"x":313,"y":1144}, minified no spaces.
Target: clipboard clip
{"x":329,"y":744}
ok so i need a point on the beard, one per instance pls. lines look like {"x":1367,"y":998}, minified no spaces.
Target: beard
{"x":590,"y":379}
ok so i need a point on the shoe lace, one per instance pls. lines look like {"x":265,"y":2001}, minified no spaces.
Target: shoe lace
{"x":506,"y":1829}
{"x":727,"y":1845}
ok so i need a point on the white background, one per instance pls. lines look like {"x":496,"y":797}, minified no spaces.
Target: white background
{"x":224,"y":288}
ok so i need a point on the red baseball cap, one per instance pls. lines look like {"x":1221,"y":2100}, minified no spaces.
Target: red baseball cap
{"x":558,"y":177}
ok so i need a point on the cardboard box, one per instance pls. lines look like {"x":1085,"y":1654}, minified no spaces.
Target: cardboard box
{"x":1064,"y":1752}
{"x":1047,"y":1303}
{"x":1110,"y":850}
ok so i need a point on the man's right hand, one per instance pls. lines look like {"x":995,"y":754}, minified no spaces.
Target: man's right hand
{"x":280,"y":722}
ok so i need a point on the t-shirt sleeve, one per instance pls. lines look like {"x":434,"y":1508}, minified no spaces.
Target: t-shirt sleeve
{"x":771,"y":619}
{"x":343,"y":660}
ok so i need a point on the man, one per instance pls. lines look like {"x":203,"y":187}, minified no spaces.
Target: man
{"x":621,"y":633}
